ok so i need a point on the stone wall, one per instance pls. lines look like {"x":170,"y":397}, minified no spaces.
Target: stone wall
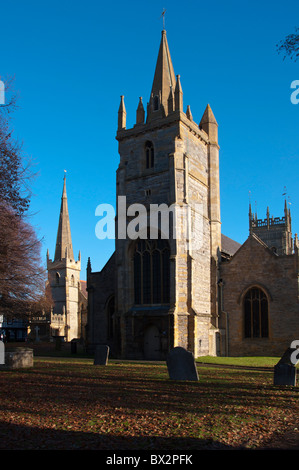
{"x":101,"y":288}
{"x":256,"y":265}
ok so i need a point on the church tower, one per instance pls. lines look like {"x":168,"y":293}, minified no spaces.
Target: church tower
{"x":166,"y":276}
{"x":276,"y":232}
{"x":64,"y":278}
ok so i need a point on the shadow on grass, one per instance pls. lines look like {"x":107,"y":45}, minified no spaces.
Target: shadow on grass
{"x":68,"y":387}
{"x":21,"y":437}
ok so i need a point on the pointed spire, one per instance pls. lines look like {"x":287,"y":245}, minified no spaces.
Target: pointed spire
{"x":209,"y":124}
{"x":122,"y":114}
{"x":140,"y":112}
{"x":64,"y":239}
{"x":164,"y":77}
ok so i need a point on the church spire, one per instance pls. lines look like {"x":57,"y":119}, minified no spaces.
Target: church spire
{"x":64,"y":239}
{"x":164,"y":78}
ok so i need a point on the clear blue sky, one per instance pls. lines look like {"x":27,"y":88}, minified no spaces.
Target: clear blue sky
{"x":72,"y":60}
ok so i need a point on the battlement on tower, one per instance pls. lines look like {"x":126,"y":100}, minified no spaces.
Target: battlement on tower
{"x":276,"y":232}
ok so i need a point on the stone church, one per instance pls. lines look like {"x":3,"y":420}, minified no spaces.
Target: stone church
{"x":203,"y":291}
{"x":69,"y":313}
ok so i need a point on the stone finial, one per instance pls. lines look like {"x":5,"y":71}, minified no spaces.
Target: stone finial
{"x":188,"y":113}
{"x":209,"y":124}
{"x":122,"y":114}
{"x":170,"y":101}
{"x":88,"y":267}
{"x":140,"y":114}
{"x":178,"y":95}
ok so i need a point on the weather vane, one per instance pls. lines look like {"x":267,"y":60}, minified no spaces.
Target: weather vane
{"x":163,"y":15}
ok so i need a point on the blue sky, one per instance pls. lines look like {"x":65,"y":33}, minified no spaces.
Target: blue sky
{"x":72,"y":60}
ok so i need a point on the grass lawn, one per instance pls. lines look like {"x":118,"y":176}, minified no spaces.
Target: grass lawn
{"x":68,"y":403}
{"x":240,"y":361}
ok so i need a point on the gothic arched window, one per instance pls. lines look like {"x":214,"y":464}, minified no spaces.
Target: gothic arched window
{"x":151,"y":272}
{"x":57,"y":278}
{"x":256,"y":314}
{"x":149,"y":155}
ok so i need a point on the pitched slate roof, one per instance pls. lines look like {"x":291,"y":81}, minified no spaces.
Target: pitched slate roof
{"x":229,"y":246}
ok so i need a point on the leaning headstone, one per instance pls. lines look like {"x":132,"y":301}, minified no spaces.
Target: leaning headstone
{"x":101,"y":355}
{"x":285,"y":369}
{"x":181,"y":364}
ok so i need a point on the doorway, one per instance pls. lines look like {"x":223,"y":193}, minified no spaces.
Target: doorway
{"x":152,"y":343}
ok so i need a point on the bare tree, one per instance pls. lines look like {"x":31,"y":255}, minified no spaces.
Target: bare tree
{"x":22,"y":277}
{"x":290,"y":46}
{"x":15,"y":175}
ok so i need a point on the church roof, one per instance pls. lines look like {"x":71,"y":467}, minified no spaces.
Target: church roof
{"x":84,"y":288}
{"x":228,"y":245}
{"x":64,"y":239}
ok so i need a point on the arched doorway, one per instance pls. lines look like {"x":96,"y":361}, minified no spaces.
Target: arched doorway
{"x":152,"y":343}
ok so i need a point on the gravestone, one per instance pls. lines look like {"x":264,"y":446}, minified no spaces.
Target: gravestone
{"x":74,"y":346}
{"x":101,"y":355}
{"x":285,"y":370}
{"x":18,"y":358}
{"x":181,"y":364}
